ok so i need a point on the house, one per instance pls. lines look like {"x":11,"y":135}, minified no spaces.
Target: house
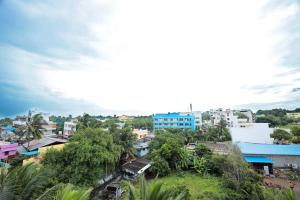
{"x":124,"y":118}
{"x":180,"y":120}
{"x":48,"y":127}
{"x":20,"y":121}
{"x":69,"y":129}
{"x":7,"y":150}
{"x":140,"y":133}
{"x":142,"y":147}
{"x":226,"y":115}
{"x":268,"y":156}
{"x":37,"y":148}
{"x":252,"y":133}
{"x":132,"y":169}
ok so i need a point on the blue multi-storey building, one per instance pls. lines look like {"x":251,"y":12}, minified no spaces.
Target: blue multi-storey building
{"x":190,"y":120}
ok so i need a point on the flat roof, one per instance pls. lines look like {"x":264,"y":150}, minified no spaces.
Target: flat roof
{"x":269,"y":149}
{"x":257,"y":159}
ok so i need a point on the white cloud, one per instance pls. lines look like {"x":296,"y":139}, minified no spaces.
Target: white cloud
{"x":162,"y":55}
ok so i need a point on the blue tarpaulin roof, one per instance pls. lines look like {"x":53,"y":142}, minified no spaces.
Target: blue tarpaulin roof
{"x":269,"y":149}
{"x":257,"y":159}
{"x":31,"y":153}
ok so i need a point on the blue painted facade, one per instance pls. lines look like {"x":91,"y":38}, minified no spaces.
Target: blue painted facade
{"x":174,"y":120}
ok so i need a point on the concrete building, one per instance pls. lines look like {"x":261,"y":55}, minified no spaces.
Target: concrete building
{"x":252,"y":132}
{"x":227,"y":115}
{"x":140,"y":133}
{"x":135,"y":168}
{"x":69,"y":129}
{"x":7,"y":149}
{"x":268,"y":156}
{"x":20,"y":121}
{"x":186,"y":120}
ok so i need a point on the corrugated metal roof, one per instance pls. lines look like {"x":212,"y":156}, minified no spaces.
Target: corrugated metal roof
{"x":36,"y":144}
{"x":269,"y":149}
{"x":257,"y":159}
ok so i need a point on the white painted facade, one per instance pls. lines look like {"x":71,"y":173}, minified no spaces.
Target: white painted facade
{"x":69,"y":128}
{"x":252,"y":133}
{"x":198,"y":119}
{"x":227,"y":115}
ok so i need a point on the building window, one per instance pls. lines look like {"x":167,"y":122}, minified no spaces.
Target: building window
{"x":180,"y":119}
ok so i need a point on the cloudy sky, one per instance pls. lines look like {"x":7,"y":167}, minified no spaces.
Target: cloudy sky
{"x":143,"y":57}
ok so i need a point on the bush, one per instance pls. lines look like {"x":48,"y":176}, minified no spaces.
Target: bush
{"x":202,"y":150}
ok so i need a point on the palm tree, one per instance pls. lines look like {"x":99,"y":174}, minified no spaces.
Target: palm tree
{"x":153,"y":192}
{"x":65,"y":192}
{"x":33,"y":128}
{"x":22,"y":183}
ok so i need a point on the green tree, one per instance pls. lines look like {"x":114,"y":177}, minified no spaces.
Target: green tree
{"x":23,"y":183}
{"x":142,"y":122}
{"x":296,"y":134}
{"x":6,"y":122}
{"x":65,"y":192}
{"x":90,"y":155}
{"x":166,"y":148}
{"x":220,"y":133}
{"x":155,"y":192}
{"x":126,"y":139}
{"x":281,"y":134}
{"x":200,"y":165}
{"x":32,"y":130}
{"x":202,"y":150}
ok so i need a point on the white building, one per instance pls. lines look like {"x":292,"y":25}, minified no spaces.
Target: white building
{"x":69,"y":128}
{"x":252,"y":133}
{"x":198,"y":119}
{"x":227,"y":115}
{"x":20,"y":121}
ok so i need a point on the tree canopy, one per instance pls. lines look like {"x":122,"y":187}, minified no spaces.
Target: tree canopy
{"x":90,"y":155}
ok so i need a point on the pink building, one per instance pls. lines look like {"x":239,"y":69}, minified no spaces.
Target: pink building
{"x":7,"y":149}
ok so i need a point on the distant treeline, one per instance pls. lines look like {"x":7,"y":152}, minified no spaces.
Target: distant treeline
{"x":276,"y":117}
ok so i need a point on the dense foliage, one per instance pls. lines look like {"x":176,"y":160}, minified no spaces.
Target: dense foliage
{"x":142,"y":122}
{"x":23,"y":183}
{"x":154,"y":191}
{"x":276,"y":117}
{"x":91,"y":155}
{"x":6,"y":122}
{"x":280,"y":134}
{"x":219,"y":133}
{"x":165,"y":151}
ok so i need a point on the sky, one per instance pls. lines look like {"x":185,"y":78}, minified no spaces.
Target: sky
{"x":144,"y":57}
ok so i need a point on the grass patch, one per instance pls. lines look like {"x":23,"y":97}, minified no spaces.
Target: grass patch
{"x":200,"y":187}
{"x":197,"y":185}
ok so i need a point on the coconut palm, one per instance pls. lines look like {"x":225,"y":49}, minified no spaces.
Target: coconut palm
{"x":153,"y":192}
{"x":22,"y":183}
{"x":65,"y":192}
{"x":33,"y":128}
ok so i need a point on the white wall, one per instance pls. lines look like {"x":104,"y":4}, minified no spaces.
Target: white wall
{"x":252,"y":133}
